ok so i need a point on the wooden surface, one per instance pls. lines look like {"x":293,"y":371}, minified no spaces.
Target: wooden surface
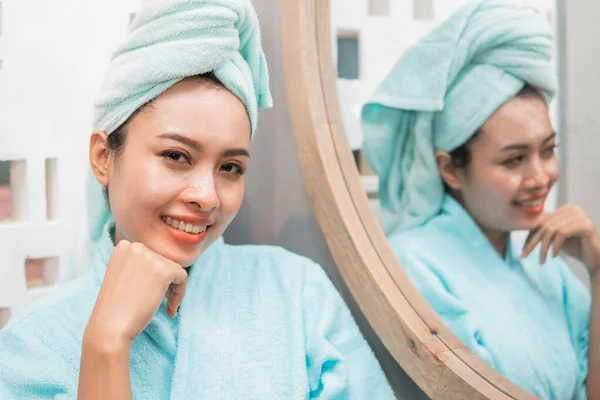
{"x":414,"y":335}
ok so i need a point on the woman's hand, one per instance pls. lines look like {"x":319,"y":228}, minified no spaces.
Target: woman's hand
{"x":136,"y":281}
{"x":568,"y":229}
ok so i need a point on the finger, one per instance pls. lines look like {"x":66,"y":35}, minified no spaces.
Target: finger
{"x":557,"y":243}
{"x":169,"y":294}
{"x":532,"y":240}
{"x":170,"y":311}
{"x":177,"y":292}
{"x":175,"y":300}
{"x":571,"y":219}
{"x":546,"y":242}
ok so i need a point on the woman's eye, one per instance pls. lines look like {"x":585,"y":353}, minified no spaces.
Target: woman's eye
{"x":549,"y":152}
{"x":514,"y":162}
{"x":175,"y":156}
{"x":233,"y":168}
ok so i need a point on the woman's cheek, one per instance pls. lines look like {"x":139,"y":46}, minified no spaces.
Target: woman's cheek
{"x":231,"y":197}
{"x":554,"y":170}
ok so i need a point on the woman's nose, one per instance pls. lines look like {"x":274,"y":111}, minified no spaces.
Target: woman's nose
{"x":203,"y":194}
{"x":538,"y":177}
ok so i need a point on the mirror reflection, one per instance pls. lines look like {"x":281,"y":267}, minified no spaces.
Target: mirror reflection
{"x":450,"y":109}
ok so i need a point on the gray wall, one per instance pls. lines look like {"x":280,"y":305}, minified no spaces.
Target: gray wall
{"x":580,"y":106}
{"x":579,"y":109}
{"x":277,"y":209}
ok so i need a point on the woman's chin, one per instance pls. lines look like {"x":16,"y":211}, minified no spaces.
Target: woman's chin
{"x":528,"y":224}
{"x":182,"y":256}
{"x":180,"y":252}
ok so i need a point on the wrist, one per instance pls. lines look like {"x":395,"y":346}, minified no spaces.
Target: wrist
{"x":106,"y":342}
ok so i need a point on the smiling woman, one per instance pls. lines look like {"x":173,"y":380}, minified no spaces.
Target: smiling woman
{"x":174,"y":121}
{"x":466,"y":156}
{"x":172,"y":164}
{"x":505,"y":171}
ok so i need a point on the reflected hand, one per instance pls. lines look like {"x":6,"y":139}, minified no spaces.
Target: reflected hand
{"x":136,"y":281}
{"x":568,"y":229}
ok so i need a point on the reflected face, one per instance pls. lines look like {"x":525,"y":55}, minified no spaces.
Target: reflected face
{"x":180,"y":179}
{"x":513,"y":167}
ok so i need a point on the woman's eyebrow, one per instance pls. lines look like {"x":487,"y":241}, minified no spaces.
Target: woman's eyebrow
{"x":519,"y":146}
{"x":236,"y":152}
{"x":183,"y":139}
{"x":549,"y":138}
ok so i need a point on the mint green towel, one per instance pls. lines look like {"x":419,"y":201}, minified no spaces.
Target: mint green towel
{"x":441,"y":91}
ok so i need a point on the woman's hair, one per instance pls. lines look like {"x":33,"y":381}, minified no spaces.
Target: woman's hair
{"x":461,"y":156}
{"x":116,"y":140}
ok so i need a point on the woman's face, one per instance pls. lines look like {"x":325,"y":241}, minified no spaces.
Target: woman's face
{"x":513,"y":167}
{"x":180,"y":178}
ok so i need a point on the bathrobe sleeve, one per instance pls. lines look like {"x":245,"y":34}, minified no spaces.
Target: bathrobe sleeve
{"x":434,"y":285}
{"x":33,"y":368}
{"x":577,"y":303}
{"x":340,"y":363}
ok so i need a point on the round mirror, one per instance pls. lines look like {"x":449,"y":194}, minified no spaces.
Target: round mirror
{"x":458,"y":332}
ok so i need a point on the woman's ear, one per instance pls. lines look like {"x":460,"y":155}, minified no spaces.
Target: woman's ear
{"x":448,"y":171}
{"x":100,"y":156}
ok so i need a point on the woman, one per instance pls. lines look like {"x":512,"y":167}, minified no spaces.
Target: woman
{"x":169,"y":310}
{"x":460,"y":136}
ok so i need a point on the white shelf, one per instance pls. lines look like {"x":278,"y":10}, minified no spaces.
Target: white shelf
{"x":370,"y":183}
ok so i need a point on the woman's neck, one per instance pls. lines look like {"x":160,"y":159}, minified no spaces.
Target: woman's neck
{"x":497,"y":239}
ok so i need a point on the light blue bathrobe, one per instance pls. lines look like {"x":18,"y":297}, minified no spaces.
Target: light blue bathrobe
{"x":256,"y":322}
{"x":528,"y":321}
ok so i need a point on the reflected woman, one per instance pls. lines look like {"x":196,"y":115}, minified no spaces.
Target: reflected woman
{"x":460,"y":135}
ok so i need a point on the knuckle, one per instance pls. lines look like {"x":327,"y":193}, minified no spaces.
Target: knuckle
{"x":123,"y":245}
{"x":590,"y":225}
{"x":559,"y":236}
{"x":160,"y":270}
{"x":138,"y":248}
{"x":183,"y":275}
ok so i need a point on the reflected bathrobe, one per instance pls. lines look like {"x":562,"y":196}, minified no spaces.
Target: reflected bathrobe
{"x":257,"y":322}
{"x":528,"y":321}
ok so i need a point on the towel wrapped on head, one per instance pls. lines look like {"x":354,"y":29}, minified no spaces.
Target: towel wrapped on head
{"x":168,"y":41}
{"x":441,"y":91}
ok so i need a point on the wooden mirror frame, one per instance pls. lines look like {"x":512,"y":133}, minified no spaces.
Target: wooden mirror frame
{"x":436,"y":360}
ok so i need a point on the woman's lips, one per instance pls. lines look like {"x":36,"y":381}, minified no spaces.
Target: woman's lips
{"x":184,"y":231}
{"x":535,"y":206}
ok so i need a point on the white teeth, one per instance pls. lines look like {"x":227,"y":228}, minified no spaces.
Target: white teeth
{"x":187,"y":227}
{"x":530,"y":203}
